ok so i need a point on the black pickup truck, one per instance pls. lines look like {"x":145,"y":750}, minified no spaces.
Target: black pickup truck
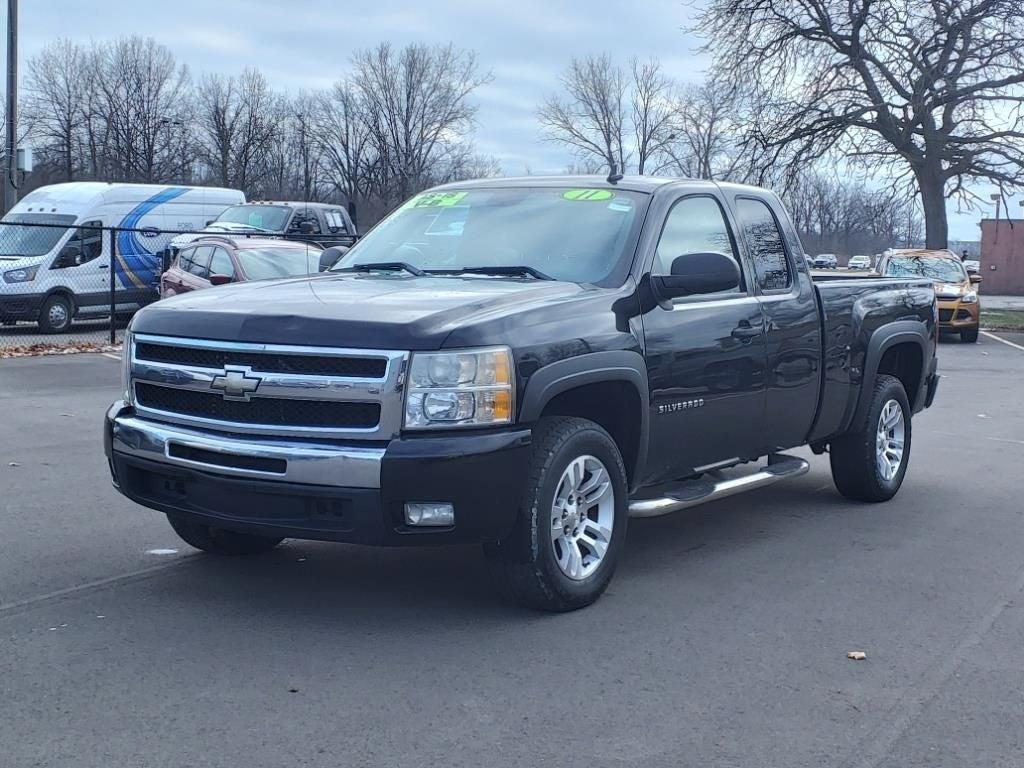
{"x":524,"y":364}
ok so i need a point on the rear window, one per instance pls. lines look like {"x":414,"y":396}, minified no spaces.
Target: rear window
{"x":266,"y":263}
{"x":931,"y":267}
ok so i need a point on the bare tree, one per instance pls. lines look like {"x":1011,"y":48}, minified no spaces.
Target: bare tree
{"x":610,"y":116}
{"x":235,"y":126}
{"x":418,"y":107}
{"x":654,"y":114}
{"x":710,"y":125}
{"x":142,"y":102}
{"x":343,"y":135}
{"x":927,"y":88}
{"x":55,"y":92}
{"x":590,"y":118}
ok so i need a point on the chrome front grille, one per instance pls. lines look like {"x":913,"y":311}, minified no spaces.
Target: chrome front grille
{"x":268,"y":389}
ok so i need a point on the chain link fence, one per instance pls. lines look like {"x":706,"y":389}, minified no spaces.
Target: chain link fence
{"x":65,"y":284}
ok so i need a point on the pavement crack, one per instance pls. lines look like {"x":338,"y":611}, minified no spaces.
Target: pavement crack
{"x":20,"y":606}
{"x":874,"y":748}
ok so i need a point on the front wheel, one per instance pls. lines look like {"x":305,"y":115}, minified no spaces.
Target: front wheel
{"x":220,"y":541}
{"x":870,"y":461}
{"x":56,"y":313}
{"x":969,"y":336}
{"x":566,"y":541}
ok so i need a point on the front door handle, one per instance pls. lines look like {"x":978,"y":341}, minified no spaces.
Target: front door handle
{"x":104,"y":266}
{"x":745,"y":331}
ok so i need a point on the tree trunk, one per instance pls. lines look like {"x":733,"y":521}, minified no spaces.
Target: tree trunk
{"x":933,"y":200}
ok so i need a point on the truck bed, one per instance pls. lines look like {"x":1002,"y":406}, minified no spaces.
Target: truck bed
{"x":852,"y":308}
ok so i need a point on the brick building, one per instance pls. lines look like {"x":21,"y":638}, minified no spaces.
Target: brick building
{"x":1002,"y":257}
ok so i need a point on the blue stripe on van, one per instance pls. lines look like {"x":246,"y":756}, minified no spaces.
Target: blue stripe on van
{"x":136,"y":265}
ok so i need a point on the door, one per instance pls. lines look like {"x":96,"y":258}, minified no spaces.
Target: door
{"x":83,"y":266}
{"x":792,"y":325}
{"x":194,"y":268}
{"x":705,"y":355}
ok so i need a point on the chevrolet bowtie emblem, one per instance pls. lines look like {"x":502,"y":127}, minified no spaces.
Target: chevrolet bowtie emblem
{"x":236,"y":383}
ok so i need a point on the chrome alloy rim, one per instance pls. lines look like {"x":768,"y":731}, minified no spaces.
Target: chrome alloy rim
{"x":57,"y":315}
{"x":889,"y":440}
{"x":582,"y":517}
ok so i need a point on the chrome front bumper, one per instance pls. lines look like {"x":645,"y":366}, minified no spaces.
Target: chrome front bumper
{"x":301,"y":462}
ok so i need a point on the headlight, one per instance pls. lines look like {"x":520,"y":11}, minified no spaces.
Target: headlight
{"x":23,"y":275}
{"x":466,"y":388}
{"x":126,"y":368}
{"x":969,"y":298}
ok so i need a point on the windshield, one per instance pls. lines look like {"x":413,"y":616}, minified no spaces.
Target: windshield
{"x":579,"y":235}
{"x":943,"y":270}
{"x":17,"y":239}
{"x":269,"y":262}
{"x":269,"y":217}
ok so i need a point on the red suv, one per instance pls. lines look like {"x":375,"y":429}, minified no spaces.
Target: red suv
{"x":219,"y":260}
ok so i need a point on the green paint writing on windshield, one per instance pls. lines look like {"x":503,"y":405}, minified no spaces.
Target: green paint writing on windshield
{"x":588,"y":194}
{"x":255,"y":219}
{"x":436,"y":200}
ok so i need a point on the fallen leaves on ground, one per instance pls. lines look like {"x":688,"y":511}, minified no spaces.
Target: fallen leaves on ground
{"x":32,"y":350}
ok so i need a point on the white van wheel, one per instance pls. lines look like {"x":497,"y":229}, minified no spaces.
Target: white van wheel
{"x":56,"y":313}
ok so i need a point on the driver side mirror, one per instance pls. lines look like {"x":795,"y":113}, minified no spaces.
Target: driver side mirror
{"x":331,"y":256}
{"x":220,"y":279}
{"x":307,"y":228}
{"x":974,"y":277}
{"x":698,"y":273}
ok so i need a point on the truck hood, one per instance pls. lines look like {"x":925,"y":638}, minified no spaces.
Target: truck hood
{"x":349,"y":310}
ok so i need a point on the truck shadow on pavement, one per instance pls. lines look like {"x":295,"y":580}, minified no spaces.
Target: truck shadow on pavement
{"x":306,"y":581}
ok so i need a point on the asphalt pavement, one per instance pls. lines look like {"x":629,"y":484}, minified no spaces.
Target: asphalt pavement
{"x":722,"y":640}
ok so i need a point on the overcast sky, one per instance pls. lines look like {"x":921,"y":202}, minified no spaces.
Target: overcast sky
{"x":299,"y":44}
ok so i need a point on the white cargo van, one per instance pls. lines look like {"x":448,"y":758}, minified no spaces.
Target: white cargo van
{"x":58,"y":267}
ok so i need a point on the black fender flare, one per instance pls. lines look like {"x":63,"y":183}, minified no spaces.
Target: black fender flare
{"x":884,"y":338}
{"x":591,"y":368}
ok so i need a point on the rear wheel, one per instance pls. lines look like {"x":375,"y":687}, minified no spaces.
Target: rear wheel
{"x":870,"y":461}
{"x":220,"y":541}
{"x":969,"y":336}
{"x":565,"y":545}
{"x":56,"y":313}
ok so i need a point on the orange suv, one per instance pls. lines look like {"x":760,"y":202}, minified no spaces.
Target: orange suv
{"x":955,"y":289}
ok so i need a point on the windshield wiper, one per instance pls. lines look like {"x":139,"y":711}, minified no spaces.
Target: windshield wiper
{"x":513,"y":270}
{"x":384,"y":266}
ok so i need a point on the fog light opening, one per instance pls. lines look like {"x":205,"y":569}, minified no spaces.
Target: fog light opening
{"x":430,"y":513}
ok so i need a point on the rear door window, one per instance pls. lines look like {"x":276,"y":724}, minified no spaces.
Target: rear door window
{"x":199,"y":264}
{"x":766,"y":244}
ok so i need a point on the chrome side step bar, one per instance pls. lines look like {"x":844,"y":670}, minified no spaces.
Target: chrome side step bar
{"x":704,"y":489}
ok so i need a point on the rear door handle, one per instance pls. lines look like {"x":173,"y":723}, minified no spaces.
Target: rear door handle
{"x":745,"y":331}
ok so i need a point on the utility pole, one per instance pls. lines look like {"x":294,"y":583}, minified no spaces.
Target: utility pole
{"x":11,"y":164}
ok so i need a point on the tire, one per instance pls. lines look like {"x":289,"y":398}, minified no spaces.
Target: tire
{"x":56,"y":313}
{"x":532,"y":564}
{"x":220,"y":541}
{"x":856,"y":465}
{"x":969,"y":336}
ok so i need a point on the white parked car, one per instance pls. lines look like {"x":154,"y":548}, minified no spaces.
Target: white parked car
{"x":55,"y":259}
{"x":973,"y":266}
{"x":859,"y":262}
